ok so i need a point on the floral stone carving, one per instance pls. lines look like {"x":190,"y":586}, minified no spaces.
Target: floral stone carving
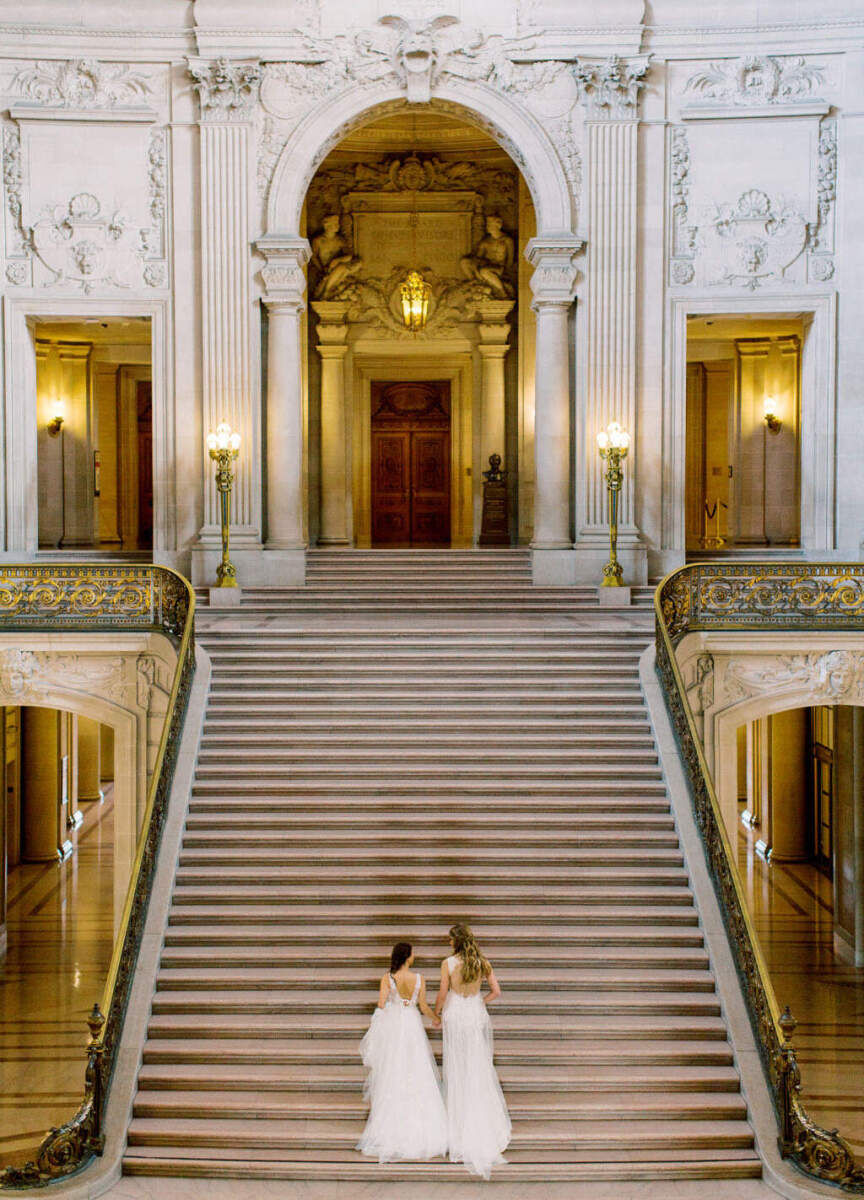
{"x":756,"y":79}
{"x":753,"y":240}
{"x":82,"y":246}
{"x":82,"y":83}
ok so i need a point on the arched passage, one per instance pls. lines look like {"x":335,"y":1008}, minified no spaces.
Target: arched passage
{"x":552,"y":285}
{"x":519,"y":133}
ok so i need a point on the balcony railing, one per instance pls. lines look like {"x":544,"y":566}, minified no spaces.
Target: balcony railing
{"x":107,"y":599}
{"x":742,"y":596}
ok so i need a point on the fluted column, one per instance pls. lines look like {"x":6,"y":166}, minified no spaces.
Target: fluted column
{"x":285,"y":284}
{"x":553,"y":285}
{"x":610,"y":92}
{"x":332,"y":348}
{"x":227,"y":92}
{"x":493,"y":331}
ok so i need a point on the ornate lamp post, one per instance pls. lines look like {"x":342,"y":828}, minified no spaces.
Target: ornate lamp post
{"x":613,"y":443}
{"x":224,"y":446}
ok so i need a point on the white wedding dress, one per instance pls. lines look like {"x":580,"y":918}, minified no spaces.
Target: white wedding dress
{"x":478,"y":1122}
{"x":407,"y":1120}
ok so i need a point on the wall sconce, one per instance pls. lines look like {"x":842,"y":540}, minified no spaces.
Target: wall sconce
{"x":769,"y":409}
{"x":56,"y":423}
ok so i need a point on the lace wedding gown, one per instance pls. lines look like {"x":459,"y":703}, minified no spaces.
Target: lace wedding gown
{"x":403,"y":1089}
{"x":478,"y":1122}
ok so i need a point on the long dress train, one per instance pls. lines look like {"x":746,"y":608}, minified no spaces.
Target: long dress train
{"x":407,"y":1120}
{"x":478,"y":1122}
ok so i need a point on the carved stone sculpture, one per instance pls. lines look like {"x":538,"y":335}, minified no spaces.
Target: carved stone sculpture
{"x":492,"y":260}
{"x":332,"y":256}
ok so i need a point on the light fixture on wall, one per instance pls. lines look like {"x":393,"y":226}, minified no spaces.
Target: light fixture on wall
{"x":769,"y":411}
{"x":415,"y":293}
{"x":613,"y":442}
{"x":223,"y":447}
{"x":56,"y":423}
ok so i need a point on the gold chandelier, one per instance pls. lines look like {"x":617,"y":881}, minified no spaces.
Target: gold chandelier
{"x":415,"y":293}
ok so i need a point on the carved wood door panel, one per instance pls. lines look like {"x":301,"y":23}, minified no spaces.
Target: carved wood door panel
{"x":391,"y":495}
{"x":411,"y":464}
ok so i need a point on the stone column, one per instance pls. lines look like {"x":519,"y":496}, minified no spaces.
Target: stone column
{"x":553,"y":285}
{"x":76,"y":444}
{"x":106,"y":753}
{"x":493,"y":331}
{"x":335,"y":496}
{"x":227,"y":92}
{"x":43,"y":836}
{"x":285,"y":284}
{"x":89,"y":760}
{"x":610,"y":92}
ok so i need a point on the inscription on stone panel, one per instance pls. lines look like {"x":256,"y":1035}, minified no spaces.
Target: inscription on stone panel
{"x":400,"y":239}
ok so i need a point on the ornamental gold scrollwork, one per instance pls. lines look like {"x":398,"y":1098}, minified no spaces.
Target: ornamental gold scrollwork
{"x":755,"y":596}
{"x":103,"y":598}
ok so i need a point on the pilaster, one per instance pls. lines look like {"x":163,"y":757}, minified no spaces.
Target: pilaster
{"x":227,"y":92}
{"x":553,"y":285}
{"x":610,"y":92}
{"x":332,"y":348}
{"x":493,"y":332}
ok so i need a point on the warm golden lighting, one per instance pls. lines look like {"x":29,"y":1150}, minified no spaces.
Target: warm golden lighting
{"x":56,"y":423}
{"x":613,"y":437}
{"x":769,"y":410}
{"x":415,"y":293}
{"x":223,"y":439}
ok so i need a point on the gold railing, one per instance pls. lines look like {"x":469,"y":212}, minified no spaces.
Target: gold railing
{"x":780,"y":596}
{"x":105,"y":599}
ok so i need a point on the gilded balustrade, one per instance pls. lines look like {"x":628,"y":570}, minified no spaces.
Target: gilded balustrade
{"x":104,"y":599}
{"x":742,"y":596}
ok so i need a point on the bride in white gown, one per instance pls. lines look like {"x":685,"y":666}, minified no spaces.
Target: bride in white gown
{"x":478,"y":1122}
{"x":407,"y":1120}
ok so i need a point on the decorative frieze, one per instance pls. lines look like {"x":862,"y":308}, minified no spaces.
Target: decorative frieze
{"x":833,"y":677}
{"x":82,"y":83}
{"x":756,"y":80}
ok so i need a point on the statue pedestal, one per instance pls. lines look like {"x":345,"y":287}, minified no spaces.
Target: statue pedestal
{"x":495,"y":526}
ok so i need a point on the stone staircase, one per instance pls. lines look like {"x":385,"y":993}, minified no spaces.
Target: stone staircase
{"x":380,"y":775}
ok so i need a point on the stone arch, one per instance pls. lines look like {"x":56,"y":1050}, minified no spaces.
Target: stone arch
{"x":514,"y":128}
{"x":827,"y":671}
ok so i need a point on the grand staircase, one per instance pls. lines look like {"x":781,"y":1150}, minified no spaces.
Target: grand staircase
{"x":433,"y":739}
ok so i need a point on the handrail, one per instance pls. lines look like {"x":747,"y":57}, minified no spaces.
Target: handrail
{"x":756,"y":596}
{"x":100,"y":598}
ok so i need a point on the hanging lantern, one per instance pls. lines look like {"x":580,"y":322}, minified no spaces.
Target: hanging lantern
{"x":415,"y":293}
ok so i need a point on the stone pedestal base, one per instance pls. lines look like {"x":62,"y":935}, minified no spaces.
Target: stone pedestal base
{"x":255,"y":568}
{"x":614,"y":597}
{"x":584,"y":566}
{"x":225,"y":597}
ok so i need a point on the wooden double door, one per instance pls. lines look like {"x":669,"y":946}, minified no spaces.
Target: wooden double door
{"x":411,"y":464}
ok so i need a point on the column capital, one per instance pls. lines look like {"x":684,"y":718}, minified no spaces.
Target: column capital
{"x":227,"y":87}
{"x":610,"y":90}
{"x":493,"y":349}
{"x":282,"y":275}
{"x":555,"y":272}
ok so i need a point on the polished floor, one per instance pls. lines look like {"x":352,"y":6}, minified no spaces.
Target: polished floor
{"x":60,"y":923}
{"x":792,"y":908}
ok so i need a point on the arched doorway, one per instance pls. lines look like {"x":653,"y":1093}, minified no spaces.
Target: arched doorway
{"x":428,"y":193}
{"x":550,"y":287}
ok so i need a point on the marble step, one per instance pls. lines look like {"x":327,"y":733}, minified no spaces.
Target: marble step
{"x":535,"y":1026}
{"x":543,"y":963}
{"x":481,"y":900}
{"x":319,"y":1134}
{"x":224,"y":977}
{"x":397,"y":918}
{"x":576,"y":1055}
{"x":278,"y":1003}
{"x":575,"y":1078}
{"x":378,"y":808}
{"x":379,"y":940}
{"x":552,"y":1109}
{"x":435,"y":881}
